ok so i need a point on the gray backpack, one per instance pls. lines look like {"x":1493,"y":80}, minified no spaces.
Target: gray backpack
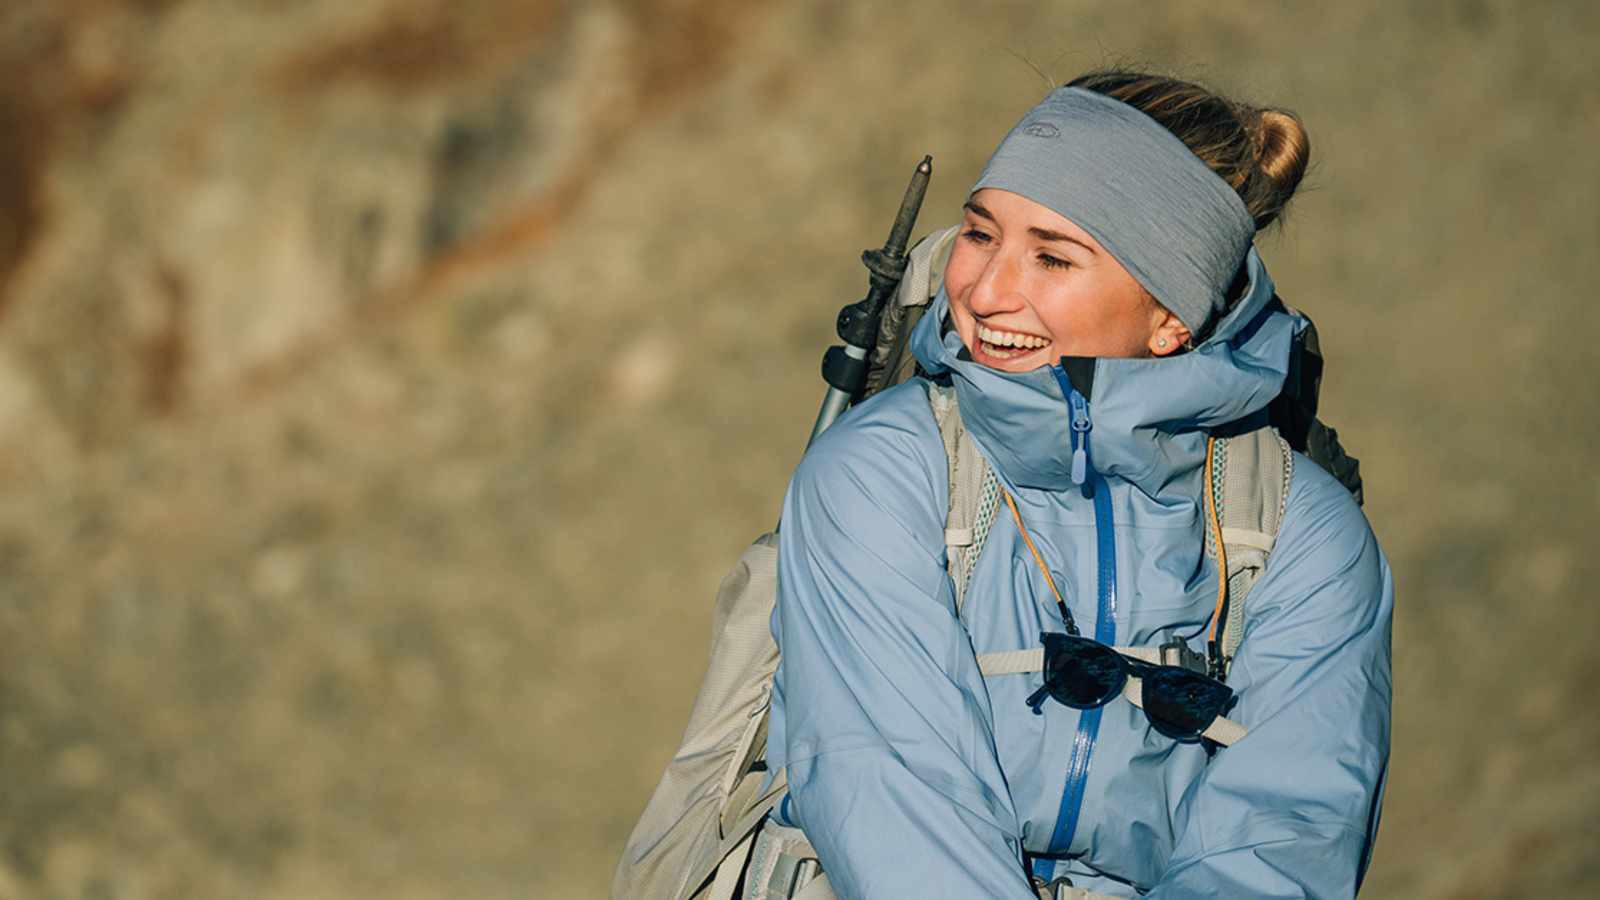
{"x":705,"y":833}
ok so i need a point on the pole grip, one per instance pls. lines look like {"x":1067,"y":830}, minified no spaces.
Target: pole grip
{"x":845,"y":368}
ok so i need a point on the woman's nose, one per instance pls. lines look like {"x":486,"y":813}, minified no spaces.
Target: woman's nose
{"x":997,"y":289}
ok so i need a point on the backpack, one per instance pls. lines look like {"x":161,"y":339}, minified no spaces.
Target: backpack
{"x":705,"y":831}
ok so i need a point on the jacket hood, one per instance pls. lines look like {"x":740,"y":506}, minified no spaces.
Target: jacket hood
{"x":1148,"y":416}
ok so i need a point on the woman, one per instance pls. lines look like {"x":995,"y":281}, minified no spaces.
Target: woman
{"x":1105,"y":256}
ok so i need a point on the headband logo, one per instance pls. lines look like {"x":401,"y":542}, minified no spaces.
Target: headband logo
{"x":1042,"y":130}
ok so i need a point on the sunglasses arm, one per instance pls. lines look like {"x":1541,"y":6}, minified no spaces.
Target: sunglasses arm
{"x":1036,"y":700}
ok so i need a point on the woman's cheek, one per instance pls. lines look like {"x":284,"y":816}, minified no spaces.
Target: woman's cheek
{"x":960,"y":314}
{"x":957,"y":279}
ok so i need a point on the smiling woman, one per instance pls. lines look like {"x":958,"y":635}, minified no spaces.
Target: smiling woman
{"x":947,"y":717}
{"x":1103,"y":315}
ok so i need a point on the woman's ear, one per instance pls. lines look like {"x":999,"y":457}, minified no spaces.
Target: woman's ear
{"x":1170,"y":333}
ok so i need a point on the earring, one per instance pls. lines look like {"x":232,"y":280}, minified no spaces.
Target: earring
{"x":1162,"y":343}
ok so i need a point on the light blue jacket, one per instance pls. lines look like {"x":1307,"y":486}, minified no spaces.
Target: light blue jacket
{"x":916,"y":776}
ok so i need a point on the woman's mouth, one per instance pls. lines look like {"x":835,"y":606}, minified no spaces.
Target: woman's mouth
{"x":1004,"y":346}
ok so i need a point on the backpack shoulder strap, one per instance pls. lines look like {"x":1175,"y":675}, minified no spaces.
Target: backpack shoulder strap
{"x":1247,"y":488}
{"x":974,"y":492}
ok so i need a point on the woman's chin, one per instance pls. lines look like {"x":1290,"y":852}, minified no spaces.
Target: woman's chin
{"x":1009,"y":359}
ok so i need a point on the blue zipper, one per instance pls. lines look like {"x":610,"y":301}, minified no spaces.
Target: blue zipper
{"x":1080,"y":436}
{"x":1105,"y":626}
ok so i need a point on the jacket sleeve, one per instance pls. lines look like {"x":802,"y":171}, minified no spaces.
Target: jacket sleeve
{"x":1292,"y":809}
{"x":892,"y":768}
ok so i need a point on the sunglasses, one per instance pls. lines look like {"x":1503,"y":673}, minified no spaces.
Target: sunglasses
{"x":1084,"y":674}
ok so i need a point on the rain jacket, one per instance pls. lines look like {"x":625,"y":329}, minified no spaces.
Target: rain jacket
{"x":914,"y":775}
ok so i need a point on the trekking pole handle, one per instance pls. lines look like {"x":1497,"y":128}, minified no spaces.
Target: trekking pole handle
{"x":845,"y":367}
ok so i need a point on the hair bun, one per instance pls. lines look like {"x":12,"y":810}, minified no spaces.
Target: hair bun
{"x":1282,"y":154}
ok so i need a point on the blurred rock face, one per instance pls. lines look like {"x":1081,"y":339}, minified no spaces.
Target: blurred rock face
{"x":385,"y":384}
{"x":218,"y":191}
{"x":245,"y":250}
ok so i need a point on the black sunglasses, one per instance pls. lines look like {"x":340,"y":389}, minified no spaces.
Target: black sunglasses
{"x":1084,"y":674}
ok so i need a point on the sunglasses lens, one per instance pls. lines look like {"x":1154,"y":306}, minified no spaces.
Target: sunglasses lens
{"x":1082,"y":673}
{"x":1180,"y":703}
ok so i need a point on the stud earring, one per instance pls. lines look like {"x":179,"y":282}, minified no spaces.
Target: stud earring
{"x":1162,"y":343}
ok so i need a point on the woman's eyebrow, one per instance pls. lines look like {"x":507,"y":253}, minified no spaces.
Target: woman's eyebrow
{"x":977,"y":210}
{"x":1046,"y":234}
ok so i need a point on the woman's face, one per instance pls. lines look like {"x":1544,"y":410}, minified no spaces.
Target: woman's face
{"x":1028,"y":287}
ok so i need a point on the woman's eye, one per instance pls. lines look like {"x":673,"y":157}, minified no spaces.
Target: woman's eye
{"x":1051,"y":262}
{"x":976,"y":236}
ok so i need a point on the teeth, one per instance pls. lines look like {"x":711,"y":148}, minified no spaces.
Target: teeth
{"x":1010,"y":339}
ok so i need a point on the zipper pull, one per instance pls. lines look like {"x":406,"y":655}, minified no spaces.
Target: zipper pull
{"x":1080,"y":437}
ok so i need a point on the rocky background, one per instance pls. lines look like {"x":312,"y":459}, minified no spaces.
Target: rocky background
{"x":385,"y":385}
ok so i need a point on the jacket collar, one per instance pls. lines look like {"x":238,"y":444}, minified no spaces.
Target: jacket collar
{"x":1148,"y":417}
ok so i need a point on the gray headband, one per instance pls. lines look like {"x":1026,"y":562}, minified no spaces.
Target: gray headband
{"x":1175,"y":225}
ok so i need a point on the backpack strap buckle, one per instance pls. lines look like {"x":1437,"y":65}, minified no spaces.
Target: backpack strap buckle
{"x":1177,"y":652}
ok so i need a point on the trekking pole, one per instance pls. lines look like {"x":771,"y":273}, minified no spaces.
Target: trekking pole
{"x":845,"y":368}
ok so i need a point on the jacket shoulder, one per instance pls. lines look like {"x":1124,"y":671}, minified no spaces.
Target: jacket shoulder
{"x":893,"y":431}
{"x":881,"y":458}
{"x":1325,"y":538}
{"x":1315,"y":496}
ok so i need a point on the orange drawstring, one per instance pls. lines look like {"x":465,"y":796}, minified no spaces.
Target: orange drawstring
{"x":1216,"y":531}
{"x":1037,"y":559}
